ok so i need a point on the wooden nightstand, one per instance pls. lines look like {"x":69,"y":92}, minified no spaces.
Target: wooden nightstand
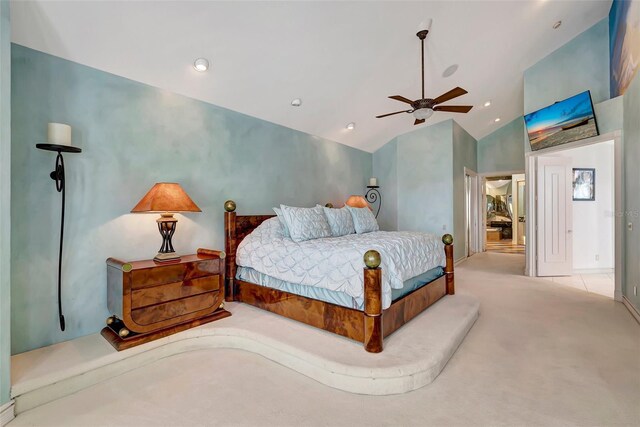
{"x":150,"y":300}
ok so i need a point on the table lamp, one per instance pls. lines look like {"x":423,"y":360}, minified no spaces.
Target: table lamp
{"x":166,"y":198}
{"x":357,"y":202}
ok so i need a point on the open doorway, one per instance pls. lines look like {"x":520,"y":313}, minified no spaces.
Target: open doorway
{"x":504,"y":213}
{"x":575,"y":192}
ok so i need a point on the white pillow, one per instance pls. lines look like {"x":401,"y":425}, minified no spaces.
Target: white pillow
{"x":306,"y":223}
{"x":283,"y":222}
{"x":340,"y":221}
{"x":363,"y":220}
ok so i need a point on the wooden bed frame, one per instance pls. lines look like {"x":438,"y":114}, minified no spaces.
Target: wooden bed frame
{"x":368,"y":326}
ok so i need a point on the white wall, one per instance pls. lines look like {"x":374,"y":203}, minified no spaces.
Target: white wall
{"x":593,"y":222}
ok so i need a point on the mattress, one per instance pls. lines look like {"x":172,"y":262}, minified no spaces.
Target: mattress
{"x":335,"y":263}
{"x":248,"y":274}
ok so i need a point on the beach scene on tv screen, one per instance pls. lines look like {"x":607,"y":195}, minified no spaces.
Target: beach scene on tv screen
{"x":562,"y":122}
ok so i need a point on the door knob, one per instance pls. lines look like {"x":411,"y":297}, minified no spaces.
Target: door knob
{"x":569,"y":231}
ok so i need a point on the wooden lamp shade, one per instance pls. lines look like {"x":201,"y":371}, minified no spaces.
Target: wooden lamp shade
{"x":357,"y":202}
{"x":166,"y":198}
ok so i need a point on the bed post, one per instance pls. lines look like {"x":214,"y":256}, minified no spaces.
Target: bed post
{"x":447,"y":239}
{"x":230,"y":249}
{"x":372,"y":302}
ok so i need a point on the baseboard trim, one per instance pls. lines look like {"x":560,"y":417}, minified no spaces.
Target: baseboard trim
{"x":593,"y":271}
{"x":617,"y":295}
{"x":631,"y":308}
{"x":7,"y":413}
{"x":458,"y":261}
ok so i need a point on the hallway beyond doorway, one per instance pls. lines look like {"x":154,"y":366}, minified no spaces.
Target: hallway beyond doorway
{"x":505,"y":247}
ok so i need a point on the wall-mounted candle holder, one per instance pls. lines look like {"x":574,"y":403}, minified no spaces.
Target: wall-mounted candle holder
{"x":59,"y":140}
{"x":373,"y":195}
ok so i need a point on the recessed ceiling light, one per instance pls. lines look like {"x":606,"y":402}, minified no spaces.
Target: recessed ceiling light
{"x":488,"y":103}
{"x":201,"y":64}
{"x":296,"y":102}
{"x":557,"y":25}
{"x":351,"y":126}
{"x":497,"y":119}
{"x":450,"y":70}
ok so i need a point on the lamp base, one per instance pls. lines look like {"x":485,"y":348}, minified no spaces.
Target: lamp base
{"x":167,"y":226}
{"x":166,"y":257}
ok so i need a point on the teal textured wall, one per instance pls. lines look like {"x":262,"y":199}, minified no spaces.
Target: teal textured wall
{"x":132,"y":136}
{"x":580,"y":64}
{"x":465,"y":155}
{"x":503,"y":149}
{"x":425,"y":185}
{"x":5,"y":200}
{"x":427,"y":167}
{"x":632,"y":189}
{"x":609,"y":115}
{"x":385,"y":168}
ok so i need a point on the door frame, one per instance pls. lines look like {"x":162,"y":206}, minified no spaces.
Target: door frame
{"x":470,"y":211}
{"x":531,"y":193}
{"x":517,"y":208}
{"x":482,"y":183}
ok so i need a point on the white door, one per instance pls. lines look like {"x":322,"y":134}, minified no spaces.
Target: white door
{"x":555,"y":216}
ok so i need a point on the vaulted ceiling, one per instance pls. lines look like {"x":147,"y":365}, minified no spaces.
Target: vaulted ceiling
{"x":341,"y":58}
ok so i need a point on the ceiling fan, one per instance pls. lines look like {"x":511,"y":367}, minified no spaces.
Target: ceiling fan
{"x":423,"y":108}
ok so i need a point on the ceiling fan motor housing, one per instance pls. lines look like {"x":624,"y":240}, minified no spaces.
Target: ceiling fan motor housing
{"x":423,"y":103}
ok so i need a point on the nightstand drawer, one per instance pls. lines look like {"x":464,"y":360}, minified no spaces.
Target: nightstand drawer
{"x":174,"y":273}
{"x":169,"y":310}
{"x":172,"y":291}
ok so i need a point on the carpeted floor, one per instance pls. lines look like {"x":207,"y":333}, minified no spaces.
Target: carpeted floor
{"x":540,"y":354}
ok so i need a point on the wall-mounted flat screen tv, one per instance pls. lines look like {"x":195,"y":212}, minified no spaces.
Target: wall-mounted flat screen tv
{"x":563,"y":122}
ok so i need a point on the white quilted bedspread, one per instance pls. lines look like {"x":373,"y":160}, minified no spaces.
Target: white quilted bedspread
{"x":335,"y":263}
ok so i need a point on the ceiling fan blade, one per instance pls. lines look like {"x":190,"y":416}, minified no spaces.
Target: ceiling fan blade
{"x":453,"y":108}
{"x":453,"y":93}
{"x":418,"y":122}
{"x":391,"y":114}
{"x":401,"y":99}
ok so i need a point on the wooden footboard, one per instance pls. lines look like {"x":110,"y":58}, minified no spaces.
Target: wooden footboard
{"x":369,"y":326}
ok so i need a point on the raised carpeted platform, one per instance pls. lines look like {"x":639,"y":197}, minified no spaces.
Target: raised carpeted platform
{"x":412,"y":358}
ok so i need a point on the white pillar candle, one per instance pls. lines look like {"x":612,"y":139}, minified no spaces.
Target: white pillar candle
{"x":373,"y":182}
{"x":59,"y":133}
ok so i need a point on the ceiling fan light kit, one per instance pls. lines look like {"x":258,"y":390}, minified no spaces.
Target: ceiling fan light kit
{"x":422,"y":113}
{"x":423,"y":108}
